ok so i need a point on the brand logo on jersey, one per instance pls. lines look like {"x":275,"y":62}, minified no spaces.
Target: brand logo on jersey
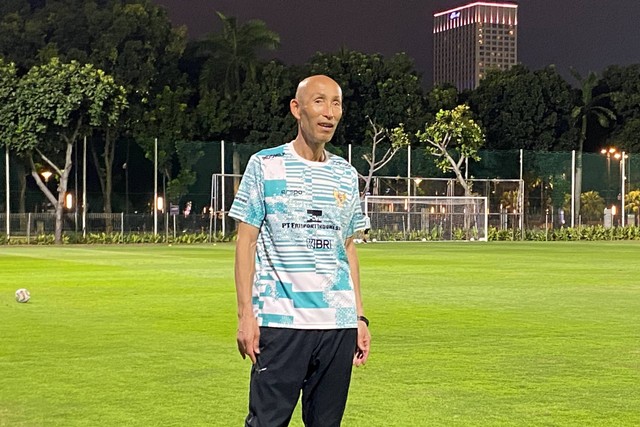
{"x":340,"y":197}
{"x":292,"y":192}
{"x":319,"y":244}
{"x":314,"y":215}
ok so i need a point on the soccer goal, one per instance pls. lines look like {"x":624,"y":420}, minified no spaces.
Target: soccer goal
{"x":427,"y":217}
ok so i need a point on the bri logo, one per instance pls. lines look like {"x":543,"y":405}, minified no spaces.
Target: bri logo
{"x":319,"y":244}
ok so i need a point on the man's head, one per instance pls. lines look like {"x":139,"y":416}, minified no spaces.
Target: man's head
{"x":318,"y":108}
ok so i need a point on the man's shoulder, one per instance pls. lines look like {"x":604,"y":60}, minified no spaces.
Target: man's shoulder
{"x":341,"y":162}
{"x":268,"y":153}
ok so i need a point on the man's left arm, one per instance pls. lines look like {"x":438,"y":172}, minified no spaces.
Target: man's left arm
{"x":364,"y":337}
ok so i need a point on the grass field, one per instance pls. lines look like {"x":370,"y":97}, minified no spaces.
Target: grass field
{"x":484,"y":334}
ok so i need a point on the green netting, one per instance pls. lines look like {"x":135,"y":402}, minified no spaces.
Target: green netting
{"x":546,"y":176}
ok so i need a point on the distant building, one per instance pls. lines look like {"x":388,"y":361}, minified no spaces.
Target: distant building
{"x":470,"y":39}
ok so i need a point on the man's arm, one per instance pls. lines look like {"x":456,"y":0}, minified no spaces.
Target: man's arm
{"x":248,"y":337}
{"x":364,"y":337}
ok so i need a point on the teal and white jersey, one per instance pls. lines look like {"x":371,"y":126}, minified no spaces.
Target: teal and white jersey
{"x":305,"y":211}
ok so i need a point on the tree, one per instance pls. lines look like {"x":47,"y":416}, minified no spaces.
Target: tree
{"x":519,"y":108}
{"x":442,"y":97}
{"x":592,"y":206}
{"x":232,"y":56}
{"x":55,"y":104}
{"x":260,"y":112}
{"x":8,"y":83}
{"x":134,"y":41}
{"x":587,"y":108}
{"x":397,"y":139}
{"x":623,"y":86}
{"x":632,"y":203}
{"x":387,"y":90}
{"x":21,"y":37}
{"x":230,"y":64}
{"x":137,"y":44}
{"x":453,"y":138}
{"x":169,"y":120}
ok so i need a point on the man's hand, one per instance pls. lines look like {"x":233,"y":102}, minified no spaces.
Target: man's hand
{"x":362,"y":346}
{"x":248,"y":338}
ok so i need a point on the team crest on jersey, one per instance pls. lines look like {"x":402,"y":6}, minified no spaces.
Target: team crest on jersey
{"x":340,"y":197}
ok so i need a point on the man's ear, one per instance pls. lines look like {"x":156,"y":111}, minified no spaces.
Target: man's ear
{"x":294,"y":106}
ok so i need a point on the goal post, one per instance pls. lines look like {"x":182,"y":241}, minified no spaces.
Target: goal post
{"x":427,"y":217}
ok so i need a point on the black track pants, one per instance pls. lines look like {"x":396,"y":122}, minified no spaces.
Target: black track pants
{"x":316,"y":362}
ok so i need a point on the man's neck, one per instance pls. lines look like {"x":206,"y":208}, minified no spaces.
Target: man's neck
{"x":311,"y":152}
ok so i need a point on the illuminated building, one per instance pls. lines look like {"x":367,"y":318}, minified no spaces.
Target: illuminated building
{"x":471,"y":39}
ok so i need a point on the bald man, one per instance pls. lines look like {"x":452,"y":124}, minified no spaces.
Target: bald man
{"x":301,"y":319}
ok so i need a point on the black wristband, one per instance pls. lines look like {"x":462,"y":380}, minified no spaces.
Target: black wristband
{"x":364,"y":319}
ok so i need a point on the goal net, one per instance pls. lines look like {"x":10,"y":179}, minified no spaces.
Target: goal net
{"x":427,"y":217}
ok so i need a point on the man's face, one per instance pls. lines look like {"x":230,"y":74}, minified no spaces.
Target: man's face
{"x":318,"y":109}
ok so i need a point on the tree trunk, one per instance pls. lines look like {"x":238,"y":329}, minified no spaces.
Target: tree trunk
{"x":578,"y":193}
{"x":22,"y":186}
{"x":105,"y":173}
{"x":62,"y":192}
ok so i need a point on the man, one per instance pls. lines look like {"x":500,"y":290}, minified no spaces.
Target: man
{"x":300,"y":314}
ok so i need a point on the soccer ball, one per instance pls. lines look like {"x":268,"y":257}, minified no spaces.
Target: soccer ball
{"x":23,"y":295}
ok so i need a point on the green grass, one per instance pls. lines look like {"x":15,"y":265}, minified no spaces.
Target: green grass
{"x":484,"y":334}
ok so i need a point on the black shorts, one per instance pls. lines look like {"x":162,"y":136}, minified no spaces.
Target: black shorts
{"x":316,"y":362}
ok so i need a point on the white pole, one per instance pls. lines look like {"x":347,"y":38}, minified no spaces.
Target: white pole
{"x":521,"y":195}
{"x":573,"y":188}
{"x":84,"y":189}
{"x":6,"y":150}
{"x":622,"y":167}
{"x":409,"y":187}
{"x":222,"y":202}
{"x":155,"y":186}
{"x":349,"y":153}
{"x":409,"y":170}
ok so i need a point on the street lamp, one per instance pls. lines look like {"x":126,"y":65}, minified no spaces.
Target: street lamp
{"x":611,"y":151}
{"x":622,"y":157}
{"x":46,"y":175}
{"x":623,"y":179}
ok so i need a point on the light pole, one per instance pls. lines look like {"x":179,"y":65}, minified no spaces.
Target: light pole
{"x":623,"y":178}
{"x":611,"y":151}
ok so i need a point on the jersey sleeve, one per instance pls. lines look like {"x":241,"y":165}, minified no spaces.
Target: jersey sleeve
{"x":248,"y":205}
{"x":359,"y":221}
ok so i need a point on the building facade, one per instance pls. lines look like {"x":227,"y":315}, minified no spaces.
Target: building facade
{"x":471,"y":39}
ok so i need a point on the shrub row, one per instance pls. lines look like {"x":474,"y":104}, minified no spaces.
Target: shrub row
{"x":115,"y":238}
{"x":592,"y":232}
{"x":595,"y":232}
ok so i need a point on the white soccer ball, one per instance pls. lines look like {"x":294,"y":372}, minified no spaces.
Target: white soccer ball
{"x":23,"y":295}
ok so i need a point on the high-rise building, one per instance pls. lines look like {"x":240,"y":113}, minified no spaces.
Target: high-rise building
{"x":471,"y":39}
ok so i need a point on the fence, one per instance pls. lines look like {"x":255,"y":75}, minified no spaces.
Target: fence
{"x":540,"y":181}
{"x":29,"y":225}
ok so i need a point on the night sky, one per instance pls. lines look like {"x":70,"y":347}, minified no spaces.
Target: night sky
{"x":588,"y":35}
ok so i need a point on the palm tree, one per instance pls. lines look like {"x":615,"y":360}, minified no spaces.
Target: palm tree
{"x":233,"y":55}
{"x":587,"y":108}
{"x":232,"y":59}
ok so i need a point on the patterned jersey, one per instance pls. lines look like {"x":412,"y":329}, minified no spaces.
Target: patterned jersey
{"x":305,"y":211}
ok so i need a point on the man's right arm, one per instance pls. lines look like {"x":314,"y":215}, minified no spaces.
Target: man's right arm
{"x":248,"y":337}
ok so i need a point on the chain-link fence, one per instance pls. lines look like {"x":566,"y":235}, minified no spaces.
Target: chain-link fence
{"x":524,"y":189}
